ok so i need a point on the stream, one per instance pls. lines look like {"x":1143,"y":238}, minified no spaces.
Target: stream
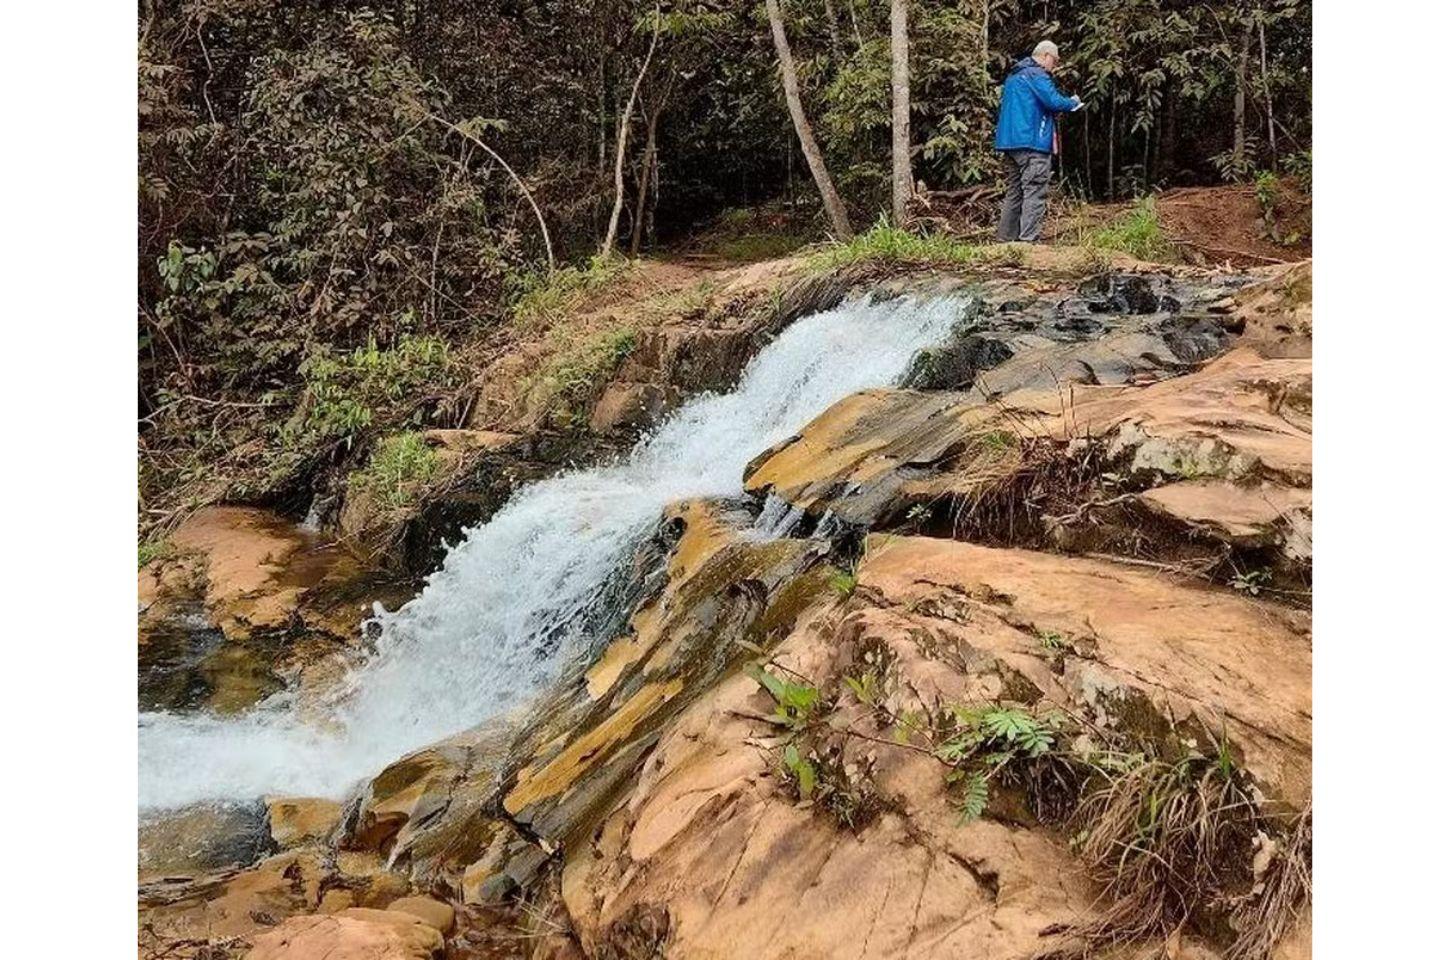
{"x":535,"y":588}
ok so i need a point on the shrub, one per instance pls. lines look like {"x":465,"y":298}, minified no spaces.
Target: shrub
{"x":346,"y":393}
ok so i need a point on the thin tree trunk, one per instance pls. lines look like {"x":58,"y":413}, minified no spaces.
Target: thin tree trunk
{"x":900,"y":114}
{"x":607,"y":250}
{"x":644,"y":179}
{"x":855,"y":24}
{"x":835,"y":209}
{"x":834,"y":27}
{"x":1112,"y":149}
{"x":1166,"y":153}
{"x":1241,"y":82}
{"x":539,"y":214}
{"x":1268,"y":96}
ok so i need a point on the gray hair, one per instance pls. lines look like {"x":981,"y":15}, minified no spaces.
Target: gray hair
{"x":1046,"y":47}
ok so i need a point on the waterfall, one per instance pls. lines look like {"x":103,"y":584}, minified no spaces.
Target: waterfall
{"x":521,"y":594}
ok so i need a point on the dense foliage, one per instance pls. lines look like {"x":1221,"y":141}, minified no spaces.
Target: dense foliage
{"x":314,"y":189}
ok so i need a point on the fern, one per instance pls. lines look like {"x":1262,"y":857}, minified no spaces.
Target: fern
{"x":974,"y":799}
{"x":1018,"y":729}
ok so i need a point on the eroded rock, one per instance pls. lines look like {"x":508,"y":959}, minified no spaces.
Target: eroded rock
{"x":708,"y":848}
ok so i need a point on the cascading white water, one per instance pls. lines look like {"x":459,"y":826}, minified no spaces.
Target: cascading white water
{"x":512,"y":601}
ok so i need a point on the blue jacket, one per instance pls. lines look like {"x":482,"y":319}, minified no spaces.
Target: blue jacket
{"x":1029,"y":100}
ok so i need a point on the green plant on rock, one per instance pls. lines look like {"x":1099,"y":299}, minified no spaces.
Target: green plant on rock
{"x":149,"y":550}
{"x":1252,"y":582}
{"x":573,"y":379}
{"x":796,"y":705}
{"x":844,"y":582}
{"x":397,"y":468}
{"x":801,"y":770}
{"x":1051,"y":641}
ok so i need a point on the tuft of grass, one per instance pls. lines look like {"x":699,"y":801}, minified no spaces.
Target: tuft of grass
{"x":843,"y":582}
{"x":884,"y":243}
{"x":573,"y":378}
{"x":149,"y":550}
{"x":1165,"y":838}
{"x":541,"y":297}
{"x":1138,"y":233}
{"x":1280,"y":897}
{"x":399,"y":465}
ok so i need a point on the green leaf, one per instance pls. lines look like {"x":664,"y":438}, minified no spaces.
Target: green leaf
{"x":974,"y":799}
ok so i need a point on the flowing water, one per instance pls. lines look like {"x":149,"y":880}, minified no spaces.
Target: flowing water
{"x":521,"y":595}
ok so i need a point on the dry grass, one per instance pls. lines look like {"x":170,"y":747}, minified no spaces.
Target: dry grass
{"x":1165,"y":839}
{"x":1263,"y":919}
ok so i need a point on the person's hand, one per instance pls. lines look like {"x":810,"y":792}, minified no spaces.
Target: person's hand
{"x":1080,"y":104}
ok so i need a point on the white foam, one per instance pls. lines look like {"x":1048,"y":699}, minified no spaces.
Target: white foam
{"x":512,"y":601}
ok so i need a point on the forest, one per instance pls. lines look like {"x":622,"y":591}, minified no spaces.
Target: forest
{"x":333,"y":195}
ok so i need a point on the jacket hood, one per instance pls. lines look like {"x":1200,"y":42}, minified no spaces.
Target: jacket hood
{"x":1026,"y":63}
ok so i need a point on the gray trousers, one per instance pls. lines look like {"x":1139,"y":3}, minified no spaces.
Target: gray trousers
{"x":1028,"y":173}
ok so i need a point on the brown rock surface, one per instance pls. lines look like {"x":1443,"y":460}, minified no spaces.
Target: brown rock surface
{"x":353,"y":934}
{"x":294,"y":821}
{"x":435,"y":913}
{"x":707,"y":856}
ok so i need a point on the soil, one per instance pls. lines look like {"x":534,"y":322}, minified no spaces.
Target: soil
{"x":1226,"y":224}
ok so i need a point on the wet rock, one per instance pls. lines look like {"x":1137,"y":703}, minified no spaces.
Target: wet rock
{"x":231,"y":906}
{"x":722,"y":586}
{"x":201,"y":839}
{"x":627,"y":408}
{"x":1128,"y":293}
{"x":294,"y":821}
{"x":956,"y":366}
{"x":247,"y":600}
{"x":246,"y":552}
{"x":406,"y":795}
{"x":1277,"y":315}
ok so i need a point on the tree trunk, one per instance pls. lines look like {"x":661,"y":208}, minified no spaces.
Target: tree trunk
{"x":1268,"y":96}
{"x":900,"y":114}
{"x":644,"y":178}
{"x":623,"y":140}
{"x":835,"y":28}
{"x":1166,"y":153}
{"x":1112,"y":149}
{"x":1241,"y":82}
{"x":855,"y":24}
{"x":835,"y":209}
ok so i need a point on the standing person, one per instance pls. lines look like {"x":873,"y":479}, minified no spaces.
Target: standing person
{"x":1025,"y":128}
